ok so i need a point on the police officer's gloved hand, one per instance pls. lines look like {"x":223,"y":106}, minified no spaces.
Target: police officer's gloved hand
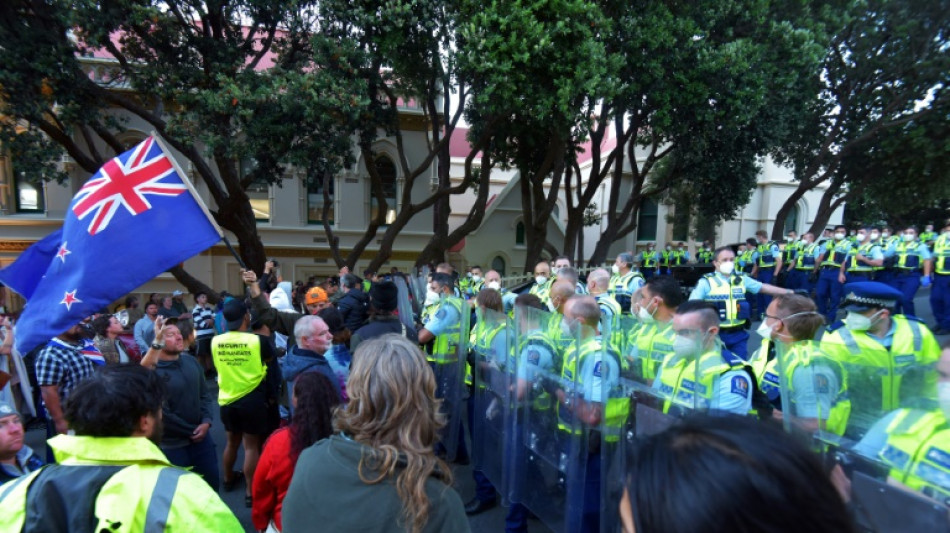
{"x":924,"y":281}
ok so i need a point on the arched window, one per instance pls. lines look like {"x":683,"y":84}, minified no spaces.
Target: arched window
{"x":519,"y":234}
{"x":387,"y":175}
{"x":498,"y":265}
{"x":791,"y":221}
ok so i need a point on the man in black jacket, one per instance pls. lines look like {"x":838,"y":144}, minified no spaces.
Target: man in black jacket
{"x":383,"y":298}
{"x":353,"y":305}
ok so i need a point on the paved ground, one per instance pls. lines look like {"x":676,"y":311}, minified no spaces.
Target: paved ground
{"x":489,"y":521}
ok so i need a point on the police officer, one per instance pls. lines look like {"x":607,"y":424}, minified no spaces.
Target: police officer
{"x":726,"y":289}
{"x":625,"y":281}
{"x":666,"y":257}
{"x":598,"y":281}
{"x":940,"y":293}
{"x":705,"y":253}
{"x":805,"y":265}
{"x":828,"y":291}
{"x":915,"y":442}
{"x":912,"y":264}
{"x":928,"y":236}
{"x":649,"y":261}
{"x":542,"y":282}
{"x":767,"y":260}
{"x":862,"y":259}
{"x":889,"y":239}
{"x":475,"y":283}
{"x":889,"y":357}
{"x":680,"y":256}
{"x":444,"y":328}
{"x":701,"y":373}
{"x":792,"y":246}
{"x":652,"y":342}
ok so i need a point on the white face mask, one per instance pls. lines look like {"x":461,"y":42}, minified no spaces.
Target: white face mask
{"x":858,"y":322}
{"x":432,"y":297}
{"x":885,"y":234}
{"x":685,"y":347}
{"x":726,"y":267}
{"x":790,"y":238}
{"x":615,"y":269}
{"x":541,"y":280}
{"x":476,"y":279}
{"x":493,"y":285}
{"x":839,"y":236}
{"x":764,"y":330}
{"x":862,"y":237}
{"x":875,"y":236}
{"x":555,"y":271}
{"x":943,"y":397}
{"x":908,"y":237}
{"x":668,"y":248}
{"x":645,"y":315}
{"x":468,"y":274}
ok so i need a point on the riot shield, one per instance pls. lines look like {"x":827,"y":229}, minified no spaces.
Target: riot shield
{"x":419,"y":284}
{"x":448,"y":358}
{"x":492,"y":405}
{"x":551,"y":444}
{"x":616,"y":432}
{"x":815,"y":396}
{"x":403,"y":304}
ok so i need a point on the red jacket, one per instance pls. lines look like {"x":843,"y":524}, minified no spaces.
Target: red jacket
{"x":271,"y":480}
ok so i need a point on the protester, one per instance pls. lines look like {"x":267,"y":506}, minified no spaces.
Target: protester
{"x":111,"y":476}
{"x":724,"y":474}
{"x":338,"y":355}
{"x":167,"y":310}
{"x":178,"y":304}
{"x":107,"y":329}
{"x":380,"y":466}
{"x":187,"y":410}
{"x":60,"y":367}
{"x":145,"y":328}
{"x":313,"y":341}
{"x":313,"y":399}
{"x":203,"y":316}
{"x":383,"y":304}
{"x":16,"y":458}
{"x":354,"y":303}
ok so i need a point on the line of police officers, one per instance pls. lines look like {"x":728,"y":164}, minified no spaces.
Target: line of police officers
{"x":561,"y":384}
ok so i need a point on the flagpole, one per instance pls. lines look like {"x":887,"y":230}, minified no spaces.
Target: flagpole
{"x":194,"y":193}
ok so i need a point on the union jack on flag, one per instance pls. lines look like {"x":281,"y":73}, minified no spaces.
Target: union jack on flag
{"x":126,"y":181}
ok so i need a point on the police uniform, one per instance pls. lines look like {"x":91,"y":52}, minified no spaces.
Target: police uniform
{"x":915,"y":445}
{"x":765,"y":257}
{"x":828,"y":291}
{"x":704,"y":255}
{"x":728,"y":294}
{"x":489,"y":344}
{"x":623,"y":287}
{"x":859,"y":270}
{"x":543,"y":291}
{"x":805,"y":261}
{"x":745,"y":261}
{"x":908,"y":259}
{"x":720,"y":381}
{"x":884,"y":373}
{"x":646,"y":348}
{"x":446,"y":326}
{"x":940,"y":292}
{"x":665,"y":260}
{"x":649,"y":260}
{"x":679,"y":257}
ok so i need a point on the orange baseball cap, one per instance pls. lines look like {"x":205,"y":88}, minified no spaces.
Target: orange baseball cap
{"x":316,"y":295}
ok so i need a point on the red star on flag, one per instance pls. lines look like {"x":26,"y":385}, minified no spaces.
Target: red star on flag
{"x":63,"y":252}
{"x":69,"y":299}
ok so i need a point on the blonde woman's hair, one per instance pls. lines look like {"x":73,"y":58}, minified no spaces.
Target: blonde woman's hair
{"x":393,"y":410}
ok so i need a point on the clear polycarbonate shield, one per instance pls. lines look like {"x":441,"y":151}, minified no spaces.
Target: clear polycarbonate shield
{"x":880,"y":382}
{"x":613,"y":397}
{"x":492,"y":405}
{"x":815,"y":397}
{"x":404,"y":302}
{"x":418,"y":284}
{"x":551,"y":443}
{"x":448,"y":359}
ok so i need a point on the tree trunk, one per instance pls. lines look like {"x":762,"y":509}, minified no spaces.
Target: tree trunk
{"x":778,"y":229}
{"x":826,"y":208}
{"x":238,"y":218}
{"x":193,"y":284}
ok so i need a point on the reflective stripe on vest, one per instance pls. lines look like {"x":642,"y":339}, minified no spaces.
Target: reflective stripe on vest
{"x":857,"y":266}
{"x":837,"y":255}
{"x":649,"y":259}
{"x":680,"y":383}
{"x":942,"y":255}
{"x":729,"y":299}
{"x":445,"y":346}
{"x":766,"y":257}
{"x":918,"y":452}
{"x":908,"y":255}
{"x":807,"y":258}
{"x":840,"y":410}
{"x":237,"y":357}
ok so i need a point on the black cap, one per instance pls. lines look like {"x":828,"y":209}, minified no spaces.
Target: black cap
{"x":334,"y":319}
{"x":384,"y":296}
{"x":234,"y":311}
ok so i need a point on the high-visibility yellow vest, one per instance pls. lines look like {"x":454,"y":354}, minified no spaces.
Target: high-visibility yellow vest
{"x":649,"y":259}
{"x":942,"y":255}
{"x":728,"y":295}
{"x":857,"y":266}
{"x":616,"y":409}
{"x":908,"y":255}
{"x":880,"y":379}
{"x":835,"y":257}
{"x":144,"y":491}
{"x":766,"y":257}
{"x":237,"y":358}
{"x":653,"y":342}
{"x":445,"y":347}
{"x":806,"y":259}
{"x":802,"y":355}
{"x":481,"y":340}
{"x":682,"y":386}
{"x":543,"y":291}
{"x":918,"y":452}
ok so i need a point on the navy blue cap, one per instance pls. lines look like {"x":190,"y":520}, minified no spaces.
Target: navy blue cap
{"x":864,"y":295}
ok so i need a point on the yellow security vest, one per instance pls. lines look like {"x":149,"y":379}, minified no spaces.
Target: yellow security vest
{"x":543,"y":291}
{"x":835,"y":257}
{"x":728,"y":295}
{"x":918,"y":452}
{"x":237,"y":357}
{"x":766,"y":257}
{"x":649,"y":259}
{"x":445,"y":347}
{"x":185,"y":503}
{"x":681,"y":385}
{"x":908,"y":255}
{"x":806,"y":259}
{"x":616,"y":408}
{"x":653,"y":342}
{"x":941,"y":255}
{"x":857,"y":266}
{"x":481,"y":340}
{"x":881,"y":379}
{"x":802,"y":355}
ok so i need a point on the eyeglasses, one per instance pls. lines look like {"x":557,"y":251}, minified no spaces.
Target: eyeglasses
{"x":772,"y":317}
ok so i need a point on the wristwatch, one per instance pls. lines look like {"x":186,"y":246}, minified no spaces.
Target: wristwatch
{"x":157,"y":346}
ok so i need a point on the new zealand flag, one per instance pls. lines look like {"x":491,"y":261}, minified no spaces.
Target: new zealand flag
{"x":134,"y":219}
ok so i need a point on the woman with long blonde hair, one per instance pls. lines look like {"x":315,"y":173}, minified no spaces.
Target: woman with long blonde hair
{"x":379,"y":471}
